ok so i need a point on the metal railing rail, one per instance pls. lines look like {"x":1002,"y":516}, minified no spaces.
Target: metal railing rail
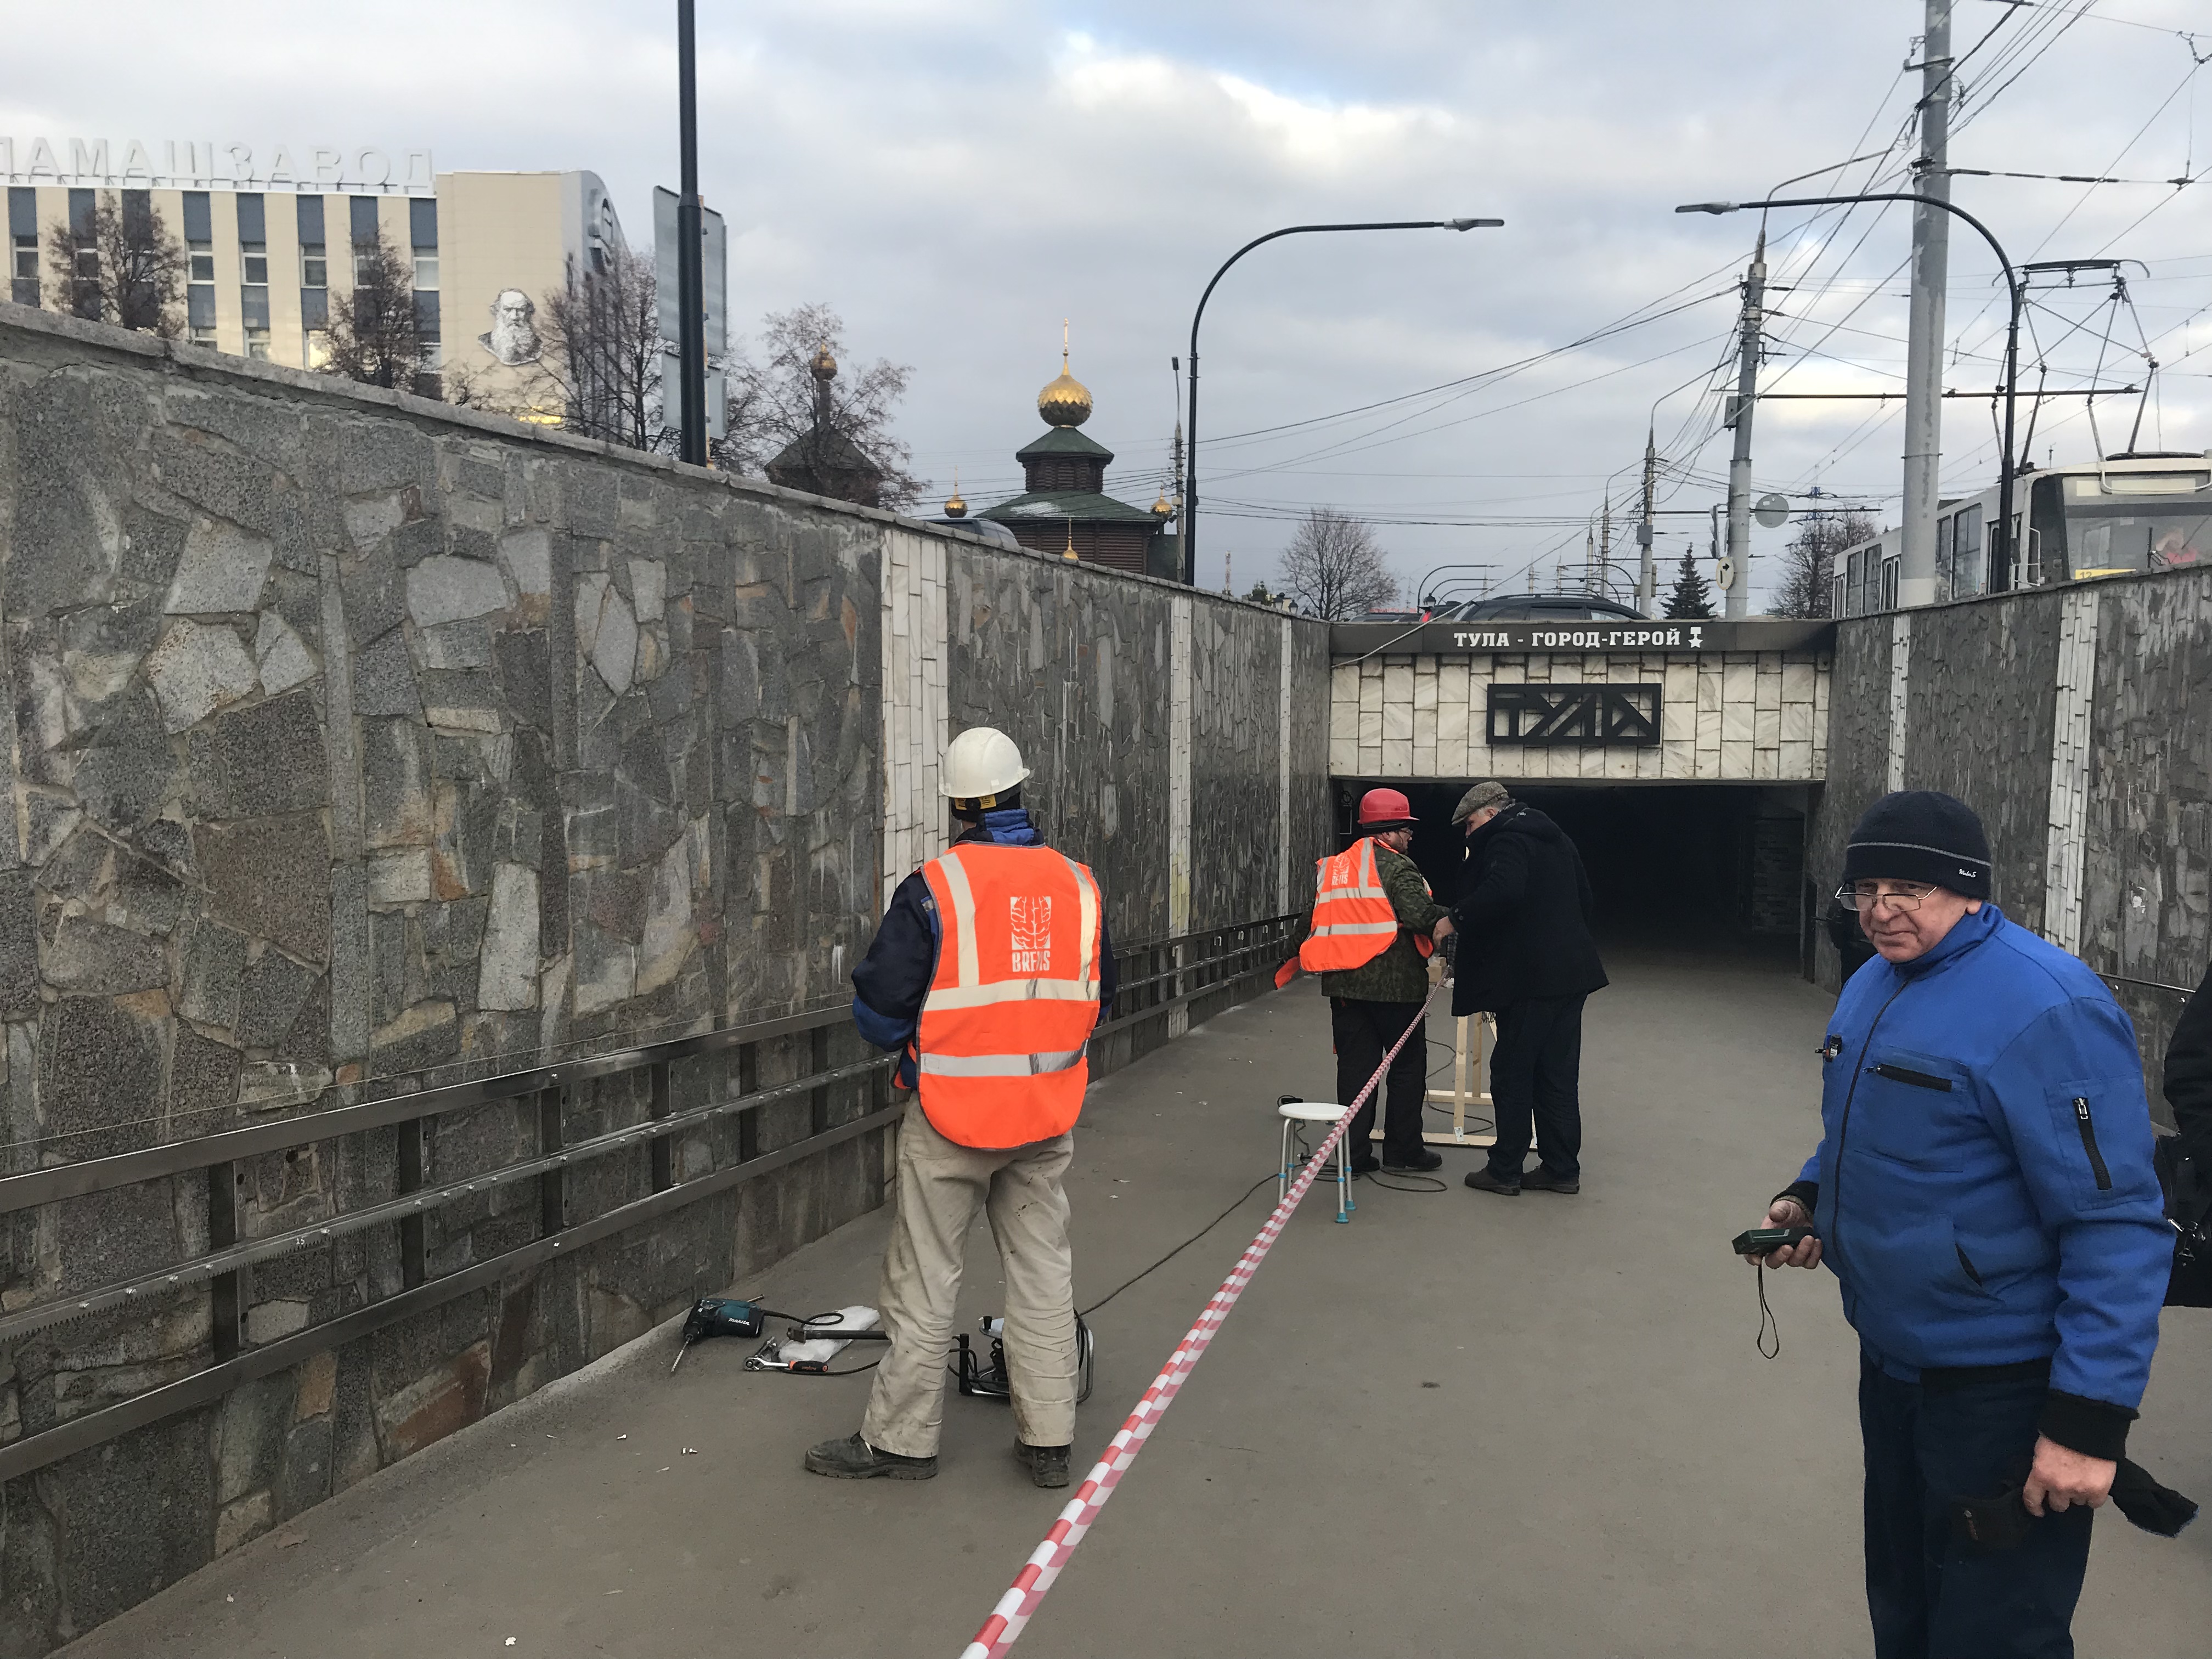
{"x":237,"y":1360}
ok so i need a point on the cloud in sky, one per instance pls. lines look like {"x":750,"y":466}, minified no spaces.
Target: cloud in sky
{"x":956,"y":179}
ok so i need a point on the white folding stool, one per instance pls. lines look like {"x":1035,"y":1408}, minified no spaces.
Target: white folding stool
{"x":1315,"y":1111}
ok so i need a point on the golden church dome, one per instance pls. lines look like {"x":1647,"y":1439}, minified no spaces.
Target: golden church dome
{"x":1066,"y":401}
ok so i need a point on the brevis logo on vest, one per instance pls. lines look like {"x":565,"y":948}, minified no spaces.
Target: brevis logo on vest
{"x":1031,"y":916}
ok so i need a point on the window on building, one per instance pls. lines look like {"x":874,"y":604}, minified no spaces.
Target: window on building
{"x":422,"y":237}
{"x":199,"y":263}
{"x":257,"y":344}
{"x":254,"y":262}
{"x":314,"y":262}
{"x":315,"y":347}
{"x":365,"y":232}
{"x":23,"y":245}
{"x":84,"y":298}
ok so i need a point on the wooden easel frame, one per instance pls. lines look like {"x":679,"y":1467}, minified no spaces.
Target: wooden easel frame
{"x":1465,"y":1090}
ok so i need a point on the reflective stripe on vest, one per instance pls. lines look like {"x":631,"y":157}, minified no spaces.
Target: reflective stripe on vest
{"x":1353,"y":920}
{"x":1000,"y":1046}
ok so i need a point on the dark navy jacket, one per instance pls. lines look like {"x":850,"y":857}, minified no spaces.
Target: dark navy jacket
{"x":1985,"y":1192}
{"x":892,"y":981}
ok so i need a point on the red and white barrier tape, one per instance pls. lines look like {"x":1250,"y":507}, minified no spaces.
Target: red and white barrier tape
{"x":1005,"y":1625}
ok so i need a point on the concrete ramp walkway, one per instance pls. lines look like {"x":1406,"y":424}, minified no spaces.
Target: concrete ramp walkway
{"x":1459,"y":1425}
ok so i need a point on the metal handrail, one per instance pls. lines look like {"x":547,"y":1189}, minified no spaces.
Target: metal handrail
{"x":94,"y":1174}
{"x":131,"y":1292}
{"x":83,"y":1176}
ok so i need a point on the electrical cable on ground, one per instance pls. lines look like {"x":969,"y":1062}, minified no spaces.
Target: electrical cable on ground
{"x":1086,"y":1313}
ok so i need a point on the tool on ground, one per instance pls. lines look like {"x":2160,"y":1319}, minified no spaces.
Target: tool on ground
{"x":979,"y":1379}
{"x":719,"y":1315}
{"x":1764,"y":1240}
{"x":809,"y":1347}
{"x":1016,"y":1608}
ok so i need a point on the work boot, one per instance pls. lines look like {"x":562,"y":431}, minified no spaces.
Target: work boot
{"x":1413,"y":1162}
{"x":853,"y":1459}
{"x":1047,"y":1465}
{"x":1361,"y":1166}
{"x":1541,"y":1180}
{"x":1483,"y":1181}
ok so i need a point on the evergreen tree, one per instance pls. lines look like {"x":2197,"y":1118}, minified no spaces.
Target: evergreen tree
{"x":1690,"y":597}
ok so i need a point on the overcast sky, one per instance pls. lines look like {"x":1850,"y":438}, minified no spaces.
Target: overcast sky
{"x":956,"y":176}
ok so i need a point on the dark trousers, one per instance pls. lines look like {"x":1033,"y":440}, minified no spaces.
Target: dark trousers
{"x":1536,"y":1084}
{"x":1364,"y":1032}
{"x":1931,"y":1595}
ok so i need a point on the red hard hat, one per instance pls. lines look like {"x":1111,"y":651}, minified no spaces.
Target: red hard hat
{"x":1385,"y":806}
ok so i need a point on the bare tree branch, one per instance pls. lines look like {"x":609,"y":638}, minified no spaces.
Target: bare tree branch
{"x":373,"y":336}
{"x":771,"y":405}
{"x":120,"y":266}
{"x":601,"y":339}
{"x":1810,"y":561}
{"x":1333,"y":566}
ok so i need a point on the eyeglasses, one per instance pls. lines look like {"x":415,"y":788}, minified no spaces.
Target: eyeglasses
{"x":1898,"y":894}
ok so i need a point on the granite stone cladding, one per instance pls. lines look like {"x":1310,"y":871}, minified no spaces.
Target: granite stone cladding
{"x":2116,"y":796}
{"x":362,"y":745}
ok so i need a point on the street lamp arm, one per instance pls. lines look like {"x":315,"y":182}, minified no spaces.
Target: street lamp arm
{"x":1190,"y":476}
{"x":2006,"y":463}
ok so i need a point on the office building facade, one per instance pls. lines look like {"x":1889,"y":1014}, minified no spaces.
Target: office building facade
{"x":266,"y":264}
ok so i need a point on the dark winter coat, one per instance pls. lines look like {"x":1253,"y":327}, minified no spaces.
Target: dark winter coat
{"x":1524,"y":915}
{"x":2189,"y":1073}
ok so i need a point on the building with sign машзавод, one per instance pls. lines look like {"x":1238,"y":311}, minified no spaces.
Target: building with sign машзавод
{"x":269,"y":233}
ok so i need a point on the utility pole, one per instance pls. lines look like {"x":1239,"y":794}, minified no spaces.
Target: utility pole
{"x":690,"y":253}
{"x":1604,"y":549}
{"x":1924,"y":364}
{"x":1647,"y":584}
{"x":1746,"y":398}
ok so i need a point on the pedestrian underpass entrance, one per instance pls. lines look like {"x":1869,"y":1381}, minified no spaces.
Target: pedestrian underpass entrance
{"x":1672,"y":864}
{"x":1683,"y":758}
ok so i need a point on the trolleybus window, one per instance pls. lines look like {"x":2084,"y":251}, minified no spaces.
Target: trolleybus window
{"x":2116,"y":523}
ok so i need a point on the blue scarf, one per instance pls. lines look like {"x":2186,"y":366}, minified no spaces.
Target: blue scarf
{"x":1010,"y":826}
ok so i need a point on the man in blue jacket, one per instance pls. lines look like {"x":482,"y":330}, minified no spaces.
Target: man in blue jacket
{"x":1983,"y":1191}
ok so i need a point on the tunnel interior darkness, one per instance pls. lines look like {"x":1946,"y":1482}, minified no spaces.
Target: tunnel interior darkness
{"x":1706,"y":864}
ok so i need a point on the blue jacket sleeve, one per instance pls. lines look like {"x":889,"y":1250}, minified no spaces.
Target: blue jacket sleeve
{"x":2068,"y":1093}
{"x":892,"y":979}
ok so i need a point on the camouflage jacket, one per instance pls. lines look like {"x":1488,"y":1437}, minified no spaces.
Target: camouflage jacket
{"x":1400,"y":974}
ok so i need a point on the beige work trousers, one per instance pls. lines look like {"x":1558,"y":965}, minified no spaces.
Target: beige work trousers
{"x":941,"y":1184}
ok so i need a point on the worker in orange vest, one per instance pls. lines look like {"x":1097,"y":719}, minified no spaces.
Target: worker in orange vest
{"x":1373,"y":927}
{"x":991,"y":967}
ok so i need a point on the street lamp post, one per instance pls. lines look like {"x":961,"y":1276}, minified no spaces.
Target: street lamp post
{"x":1190,"y":462}
{"x":690,"y":274}
{"x":2000,"y":571}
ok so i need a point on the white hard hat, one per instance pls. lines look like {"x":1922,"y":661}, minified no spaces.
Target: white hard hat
{"x":982,"y":761}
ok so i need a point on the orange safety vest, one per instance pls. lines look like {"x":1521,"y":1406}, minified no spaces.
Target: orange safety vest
{"x":1000,"y":1054}
{"x":1353,"y":921}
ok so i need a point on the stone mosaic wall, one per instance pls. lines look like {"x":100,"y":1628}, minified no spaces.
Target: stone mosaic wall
{"x":2117,"y":795}
{"x":361,"y":744}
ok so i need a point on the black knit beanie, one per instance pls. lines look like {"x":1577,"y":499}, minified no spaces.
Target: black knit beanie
{"x":1921,"y":835}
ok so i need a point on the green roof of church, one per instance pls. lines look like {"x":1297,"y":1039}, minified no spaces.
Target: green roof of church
{"x":1063,"y":440}
{"x":1083,"y":506}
